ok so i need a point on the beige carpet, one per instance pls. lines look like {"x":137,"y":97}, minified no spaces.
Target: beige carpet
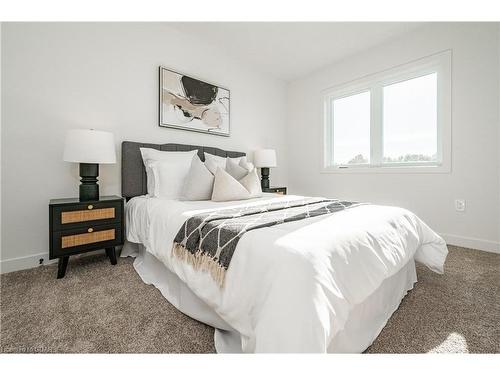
{"x":102,"y":308}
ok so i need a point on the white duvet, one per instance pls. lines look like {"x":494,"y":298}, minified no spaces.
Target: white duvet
{"x":290,"y":287}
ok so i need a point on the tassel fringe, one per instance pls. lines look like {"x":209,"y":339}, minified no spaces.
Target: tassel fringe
{"x":201,"y":262}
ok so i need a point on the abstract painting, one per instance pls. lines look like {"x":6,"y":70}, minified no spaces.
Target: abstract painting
{"x":191,"y":104}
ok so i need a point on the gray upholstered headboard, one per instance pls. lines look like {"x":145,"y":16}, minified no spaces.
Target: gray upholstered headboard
{"x":134,"y":181}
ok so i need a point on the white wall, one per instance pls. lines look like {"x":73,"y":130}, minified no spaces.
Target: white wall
{"x":475,"y":139}
{"x":105,"y":76}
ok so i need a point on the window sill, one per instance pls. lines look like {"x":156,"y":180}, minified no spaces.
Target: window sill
{"x":389,"y":169}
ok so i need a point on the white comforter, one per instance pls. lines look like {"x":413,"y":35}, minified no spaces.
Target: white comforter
{"x":289,"y":288}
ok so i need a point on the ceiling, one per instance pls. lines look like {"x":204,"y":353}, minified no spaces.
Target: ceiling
{"x":290,"y":50}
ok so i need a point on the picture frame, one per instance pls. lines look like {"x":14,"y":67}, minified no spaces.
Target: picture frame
{"x":190,"y":103}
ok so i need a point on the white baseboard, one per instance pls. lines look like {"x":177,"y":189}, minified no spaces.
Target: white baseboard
{"x":22,"y":263}
{"x":472,"y":243}
{"x":32,"y":261}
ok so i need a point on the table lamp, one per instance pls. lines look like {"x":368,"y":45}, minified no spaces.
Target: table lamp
{"x":264,"y":159}
{"x":90,"y":148}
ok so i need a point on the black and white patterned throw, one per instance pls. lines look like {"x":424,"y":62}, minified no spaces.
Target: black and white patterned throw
{"x":207,"y":241}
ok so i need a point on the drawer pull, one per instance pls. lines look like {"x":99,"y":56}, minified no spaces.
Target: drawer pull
{"x":90,"y":207}
{"x":90,"y":230}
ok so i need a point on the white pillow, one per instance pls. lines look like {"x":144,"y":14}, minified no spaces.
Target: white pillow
{"x":235,"y":169}
{"x":150,"y":154}
{"x":246,"y":164}
{"x":212,"y":165}
{"x":214,"y":161}
{"x":251,"y":182}
{"x":199,"y":182}
{"x":226,"y":188}
{"x":170,"y":175}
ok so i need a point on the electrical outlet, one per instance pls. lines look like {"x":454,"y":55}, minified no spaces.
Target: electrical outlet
{"x":460,"y":205}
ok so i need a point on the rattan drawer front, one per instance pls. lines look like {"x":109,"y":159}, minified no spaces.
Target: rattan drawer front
{"x":82,"y":215}
{"x":87,"y":215}
{"x":87,"y":238}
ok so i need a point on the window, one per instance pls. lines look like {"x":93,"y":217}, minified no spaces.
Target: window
{"x":397,"y":120}
{"x":351,"y":138}
{"x":410,"y":120}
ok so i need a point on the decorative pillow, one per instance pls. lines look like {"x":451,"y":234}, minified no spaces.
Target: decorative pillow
{"x":170,"y":175}
{"x":226,"y":188}
{"x":251,"y":182}
{"x":150,"y":155}
{"x":235,"y":169}
{"x":246,"y":164}
{"x":212,"y":165}
{"x":199,"y":182}
{"x":214,"y":161}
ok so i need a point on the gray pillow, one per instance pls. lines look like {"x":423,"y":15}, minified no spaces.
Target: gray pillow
{"x":199,"y":182}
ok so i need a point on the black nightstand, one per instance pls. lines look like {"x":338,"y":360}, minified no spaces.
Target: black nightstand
{"x":77,"y":227}
{"x":275,"y":189}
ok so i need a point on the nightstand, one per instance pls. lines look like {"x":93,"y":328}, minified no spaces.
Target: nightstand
{"x":77,"y":227}
{"x":275,"y":189}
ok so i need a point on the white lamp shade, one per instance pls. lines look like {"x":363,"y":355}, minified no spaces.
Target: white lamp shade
{"x":89,"y":146}
{"x":264,"y":158}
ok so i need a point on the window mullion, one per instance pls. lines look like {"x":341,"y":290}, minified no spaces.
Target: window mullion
{"x":376,"y":130}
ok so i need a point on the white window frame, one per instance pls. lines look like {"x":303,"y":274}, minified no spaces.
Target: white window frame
{"x":439,"y":63}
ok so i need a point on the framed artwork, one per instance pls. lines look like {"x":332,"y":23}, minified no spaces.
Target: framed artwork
{"x":192,"y":104}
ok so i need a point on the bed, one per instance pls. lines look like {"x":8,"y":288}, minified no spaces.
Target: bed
{"x":322,"y":284}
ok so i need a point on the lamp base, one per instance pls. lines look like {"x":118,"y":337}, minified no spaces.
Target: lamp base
{"x":264,"y":182}
{"x":89,"y":189}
